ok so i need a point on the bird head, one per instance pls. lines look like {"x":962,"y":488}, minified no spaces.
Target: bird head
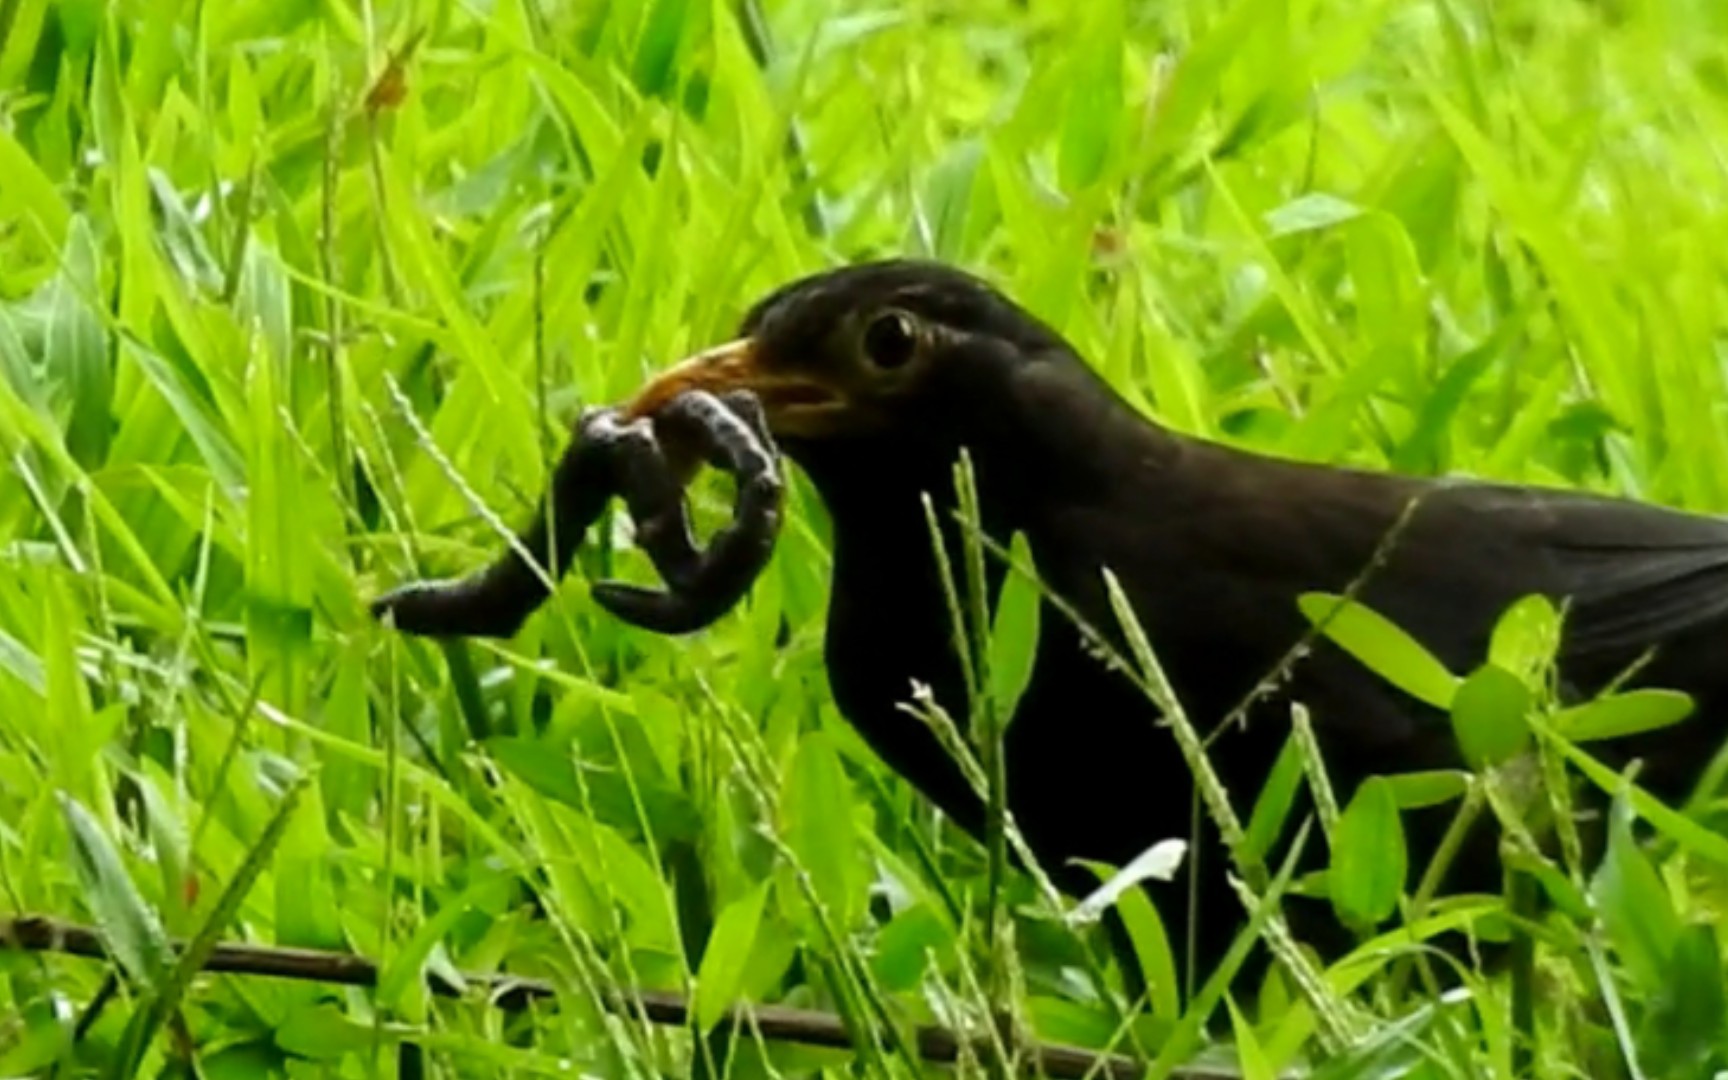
{"x":886,"y":367}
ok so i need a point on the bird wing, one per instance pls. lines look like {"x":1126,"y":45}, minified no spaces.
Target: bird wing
{"x":1632,"y":574}
{"x":1219,"y":565}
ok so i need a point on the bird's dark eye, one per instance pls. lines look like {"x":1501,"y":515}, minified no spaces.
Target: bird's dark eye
{"x":891,"y":341}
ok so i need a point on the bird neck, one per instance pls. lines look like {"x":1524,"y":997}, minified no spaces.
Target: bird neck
{"x":888,"y":596}
{"x":876,"y":499}
{"x":889,"y":624}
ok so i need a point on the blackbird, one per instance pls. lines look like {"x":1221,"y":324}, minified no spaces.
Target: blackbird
{"x":874,"y":377}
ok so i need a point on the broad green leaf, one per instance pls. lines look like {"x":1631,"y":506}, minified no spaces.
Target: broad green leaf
{"x":1369,"y":860}
{"x":1277,"y":795}
{"x":130,"y":928}
{"x":22,"y":664}
{"x":819,"y":825}
{"x":1428,"y":446}
{"x":1308,"y":212}
{"x":278,"y":569}
{"x":347,"y":715}
{"x":1194,"y":84}
{"x":1250,"y":1055}
{"x":323,"y":1032}
{"x":145,"y":1023}
{"x":265,"y":307}
{"x":1525,"y":637}
{"x":410,"y":959}
{"x":425,"y":263}
{"x":1415,"y":790}
{"x":1618,"y":715}
{"x":244,"y":110}
{"x":1633,"y":904}
{"x":546,"y":767}
{"x":1580,"y":291}
{"x":170,"y":839}
{"x":1387,"y":650}
{"x":21,"y":373}
{"x":308,"y":907}
{"x":76,"y":352}
{"x":1390,"y":297}
{"x":69,"y":691}
{"x":951,"y":203}
{"x":1565,"y":895}
{"x":618,"y":869}
{"x":903,"y":949}
{"x":1060,"y":1020}
{"x":1088,"y":138}
{"x":1490,"y":717}
{"x":669,"y":24}
{"x":81,"y":23}
{"x":1688,"y":1028}
{"x":1014,"y":632}
{"x":727,"y":955}
{"x":28,"y":194}
{"x":203,"y":426}
{"x":551,"y":767}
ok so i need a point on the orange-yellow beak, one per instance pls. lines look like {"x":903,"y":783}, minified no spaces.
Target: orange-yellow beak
{"x":792,"y":404}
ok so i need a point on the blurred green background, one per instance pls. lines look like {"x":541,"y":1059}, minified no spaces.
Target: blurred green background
{"x":297,"y":301}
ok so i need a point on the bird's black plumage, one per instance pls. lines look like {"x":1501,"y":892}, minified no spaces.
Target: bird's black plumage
{"x":1212,"y":545}
{"x":874,"y":377}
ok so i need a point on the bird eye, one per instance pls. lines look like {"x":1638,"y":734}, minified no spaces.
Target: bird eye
{"x":890,"y":340}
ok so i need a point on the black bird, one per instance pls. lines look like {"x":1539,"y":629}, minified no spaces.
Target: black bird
{"x":873,"y":378}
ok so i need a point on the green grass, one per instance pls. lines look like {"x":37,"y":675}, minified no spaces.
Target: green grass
{"x":265,"y":352}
